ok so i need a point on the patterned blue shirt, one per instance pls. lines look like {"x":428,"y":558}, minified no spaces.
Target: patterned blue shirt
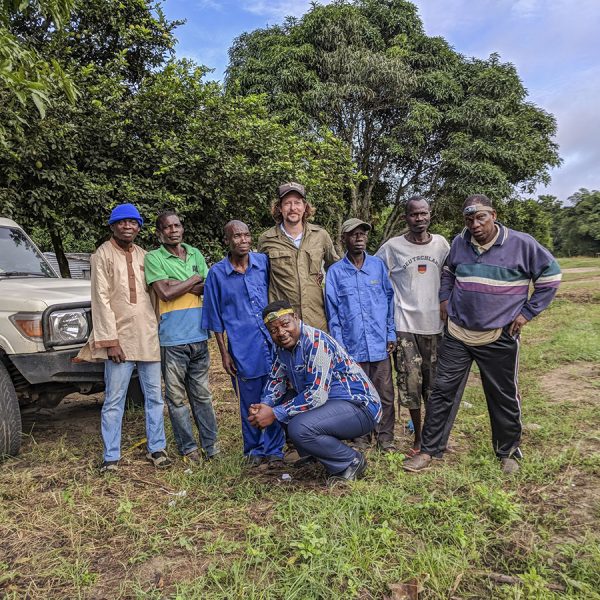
{"x":233,"y":302}
{"x":360,"y":308}
{"x":317,"y":369}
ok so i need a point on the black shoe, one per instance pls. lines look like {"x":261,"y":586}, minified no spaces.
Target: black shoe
{"x":109,"y":466}
{"x":159,"y":459}
{"x":275,"y":462}
{"x":253,"y":461}
{"x":386,"y":447}
{"x":353,"y":472}
{"x":304,"y":461}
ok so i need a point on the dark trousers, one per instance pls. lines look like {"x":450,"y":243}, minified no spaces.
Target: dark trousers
{"x":257,"y":442}
{"x":498,"y":364}
{"x":318,"y":432}
{"x":185,"y":372}
{"x":380,"y":373}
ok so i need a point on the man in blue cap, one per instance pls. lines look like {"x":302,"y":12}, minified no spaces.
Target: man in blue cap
{"x":125,"y":335}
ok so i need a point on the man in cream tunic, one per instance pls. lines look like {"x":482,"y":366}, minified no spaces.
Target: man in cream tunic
{"x":125,"y":335}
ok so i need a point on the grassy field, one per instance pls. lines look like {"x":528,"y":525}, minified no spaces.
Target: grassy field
{"x":461,"y":530}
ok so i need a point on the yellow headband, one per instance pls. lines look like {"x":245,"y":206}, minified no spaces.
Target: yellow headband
{"x":475,"y":208}
{"x":272,"y":316}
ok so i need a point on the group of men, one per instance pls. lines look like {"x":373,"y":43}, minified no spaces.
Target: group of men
{"x":311,"y":363}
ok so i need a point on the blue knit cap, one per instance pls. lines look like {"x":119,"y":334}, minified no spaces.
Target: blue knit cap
{"x":125,"y":211}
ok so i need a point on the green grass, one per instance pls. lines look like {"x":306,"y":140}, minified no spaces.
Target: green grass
{"x":578,"y":262}
{"x":68,"y":533}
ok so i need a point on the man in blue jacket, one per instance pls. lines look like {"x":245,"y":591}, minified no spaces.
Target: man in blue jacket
{"x":484,"y":298}
{"x":359,"y":301}
{"x":235,"y":292}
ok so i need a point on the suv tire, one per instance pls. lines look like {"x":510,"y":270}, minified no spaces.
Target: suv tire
{"x":10,"y":416}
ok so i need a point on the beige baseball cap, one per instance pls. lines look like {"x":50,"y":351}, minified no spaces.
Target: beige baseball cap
{"x":352,"y":224}
{"x":291,"y":186}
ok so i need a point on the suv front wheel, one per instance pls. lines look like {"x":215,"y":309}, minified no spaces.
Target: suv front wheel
{"x":10,"y":416}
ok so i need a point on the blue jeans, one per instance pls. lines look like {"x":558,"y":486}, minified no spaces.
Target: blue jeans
{"x":257,"y":442}
{"x":185,"y":370}
{"x":116,"y":379}
{"x":318,"y":432}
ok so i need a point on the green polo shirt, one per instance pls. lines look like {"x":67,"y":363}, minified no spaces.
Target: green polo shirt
{"x":179,"y":318}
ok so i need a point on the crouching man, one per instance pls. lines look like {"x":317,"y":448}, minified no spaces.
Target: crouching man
{"x":317,"y":391}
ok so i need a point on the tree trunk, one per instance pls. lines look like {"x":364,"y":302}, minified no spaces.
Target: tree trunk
{"x":362,"y":201}
{"x":391,"y":226}
{"x":63,"y":263}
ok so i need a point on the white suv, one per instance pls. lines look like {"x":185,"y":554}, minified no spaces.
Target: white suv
{"x":44,"y":321}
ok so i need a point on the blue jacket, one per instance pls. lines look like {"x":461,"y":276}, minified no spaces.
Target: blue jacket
{"x":233,"y":302}
{"x":360,"y":308}
{"x":487,"y":291}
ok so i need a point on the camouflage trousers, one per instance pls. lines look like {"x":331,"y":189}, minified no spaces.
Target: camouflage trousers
{"x":416,"y":364}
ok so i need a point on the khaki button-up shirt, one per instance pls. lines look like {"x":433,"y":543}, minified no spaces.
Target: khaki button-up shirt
{"x":295,"y":272}
{"x":122,"y":308}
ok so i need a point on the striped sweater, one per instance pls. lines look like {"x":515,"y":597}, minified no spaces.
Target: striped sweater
{"x":489,"y":290}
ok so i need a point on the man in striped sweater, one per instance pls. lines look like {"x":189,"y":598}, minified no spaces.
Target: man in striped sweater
{"x":484,"y":299}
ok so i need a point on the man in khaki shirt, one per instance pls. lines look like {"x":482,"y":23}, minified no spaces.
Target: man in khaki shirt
{"x":125,"y":335}
{"x":297,"y":251}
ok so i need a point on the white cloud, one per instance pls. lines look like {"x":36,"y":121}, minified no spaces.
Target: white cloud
{"x":525,"y":8}
{"x":555,"y":46}
{"x":210,"y":4}
{"x":278,"y":8}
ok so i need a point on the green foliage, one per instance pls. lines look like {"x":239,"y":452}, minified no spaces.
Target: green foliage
{"x":148,"y":130}
{"x":579,"y":231}
{"x":570,"y":230}
{"x":57,"y":171}
{"x":530,"y":216}
{"x":25,"y":73}
{"x":418,"y":116}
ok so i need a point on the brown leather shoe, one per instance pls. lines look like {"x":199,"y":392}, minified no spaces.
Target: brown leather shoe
{"x":418,"y":462}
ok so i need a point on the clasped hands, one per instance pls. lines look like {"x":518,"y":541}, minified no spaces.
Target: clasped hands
{"x":261,"y":415}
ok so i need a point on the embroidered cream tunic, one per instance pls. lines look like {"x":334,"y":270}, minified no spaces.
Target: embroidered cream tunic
{"x":122,"y":307}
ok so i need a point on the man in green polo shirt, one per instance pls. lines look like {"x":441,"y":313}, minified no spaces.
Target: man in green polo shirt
{"x":176,"y":271}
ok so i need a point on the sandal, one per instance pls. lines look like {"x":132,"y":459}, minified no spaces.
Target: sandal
{"x":159,"y":459}
{"x":109,"y":466}
{"x":412,"y":452}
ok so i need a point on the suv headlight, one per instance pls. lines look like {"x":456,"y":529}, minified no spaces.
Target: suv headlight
{"x":66,"y":327}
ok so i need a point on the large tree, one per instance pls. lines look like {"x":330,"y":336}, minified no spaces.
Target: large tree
{"x":418,"y":116}
{"x":579,"y":229}
{"x":148,"y":129}
{"x":49,"y":171}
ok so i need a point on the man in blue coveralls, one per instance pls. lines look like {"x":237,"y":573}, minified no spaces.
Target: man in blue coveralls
{"x":236,"y":289}
{"x":319,"y":392}
{"x":359,"y":301}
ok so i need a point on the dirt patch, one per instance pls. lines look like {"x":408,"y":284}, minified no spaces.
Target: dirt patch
{"x":586,"y":294}
{"x":577,"y":382}
{"x":75,"y":416}
{"x":163,"y":572}
{"x":577,"y":496}
{"x":580,"y":269}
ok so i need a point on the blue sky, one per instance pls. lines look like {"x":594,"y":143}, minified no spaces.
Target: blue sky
{"x":553,"y":43}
